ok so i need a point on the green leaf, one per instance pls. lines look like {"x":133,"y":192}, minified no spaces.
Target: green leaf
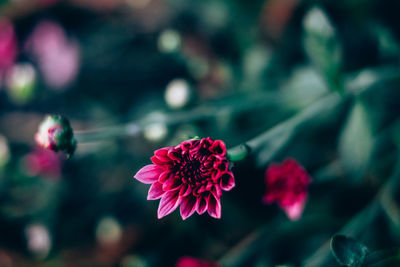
{"x":387,"y":257}
{"x":322,"y":46}
{"x":238,"y":153}
{"x":347,"y":251}
{"x":356,"y":141}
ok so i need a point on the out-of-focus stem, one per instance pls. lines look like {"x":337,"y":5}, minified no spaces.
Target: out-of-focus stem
{"x":232,"y":105}
{"x":355,"y":84}
{"x":130,"y":129}
{"x":289,"y":125}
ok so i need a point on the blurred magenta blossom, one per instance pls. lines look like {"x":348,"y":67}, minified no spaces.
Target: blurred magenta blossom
{"x":287,"y":185}
{"x":193,"y":262}
{"x":57,"y":55}
{"x":43,"y":162}
{"x":8,"y":45}
{"x":191,"y":174}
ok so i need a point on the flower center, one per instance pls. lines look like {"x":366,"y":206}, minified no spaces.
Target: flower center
{"x":190,"y":171}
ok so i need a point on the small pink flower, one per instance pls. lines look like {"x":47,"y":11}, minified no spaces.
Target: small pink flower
{"x":57,"y":55}
{"x":43,"y":162}
{"x":287,"y":185}
{"x":191,"y":174}
{"x":8,"y":44}
{"x":192,"y":262}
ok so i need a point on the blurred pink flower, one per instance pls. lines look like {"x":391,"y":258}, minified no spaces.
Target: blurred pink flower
{"x":8,"y":44}
{"x":43,"y":162}
{"x":287,"y":185}
{"x":192,"y":262}
{"x":58,"y":56}
{"x":191,"y":174}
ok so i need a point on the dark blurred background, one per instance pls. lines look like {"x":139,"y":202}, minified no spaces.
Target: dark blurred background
{"x":136,"y":75}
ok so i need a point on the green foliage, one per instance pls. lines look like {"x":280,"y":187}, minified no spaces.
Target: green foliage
{"x":347,"y":251}
{"x":382,"y":258}
{"x":356,"y":141}
{"x":322,"y":88}
{"x":322,"y":46}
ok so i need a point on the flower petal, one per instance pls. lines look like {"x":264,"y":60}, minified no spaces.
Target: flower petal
{"x":165,"y":175}
{"x":214,"y":207}
{"x":185,"y":190}
{"x":162,"y":152}
{"x":218,"y":147}
{"x":171,"y":183}
{"x":149,"y":173}
{"x":221,"y":165}
{"x":175,"y":154}
{"x":155,"y":191}
{"x":216,"y":190}
{"x":227,"y":181}
{"x":295,"y":210}
{"x":157,"y":161}
{"x":201,"y":205}
{"x":168,"y":203}
{"x":188,"y":207}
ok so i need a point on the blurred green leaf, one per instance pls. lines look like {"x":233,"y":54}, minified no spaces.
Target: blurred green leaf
{"x":322,"y":46}
{"x":387,"y":43}
{"x":387,"y":257}
{"x":356,"y":141}
{"x":3,"y":2}
{"x":347,"y":251}
{"x":304,"y":87}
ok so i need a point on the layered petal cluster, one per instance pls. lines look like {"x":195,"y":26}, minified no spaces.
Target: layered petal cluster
{"x":191,"y":175}
{"x":287,"y":185}
{"x":193,"y":262}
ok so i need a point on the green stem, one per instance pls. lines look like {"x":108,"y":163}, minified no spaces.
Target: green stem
{"x":356,"y":84}
{"x":288,"y":126}
{"x":232,"y":105}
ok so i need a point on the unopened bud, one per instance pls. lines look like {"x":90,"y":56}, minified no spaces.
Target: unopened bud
{"x":55,"y":133}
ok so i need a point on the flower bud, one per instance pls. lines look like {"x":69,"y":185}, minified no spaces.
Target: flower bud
{"x":55,"y":133}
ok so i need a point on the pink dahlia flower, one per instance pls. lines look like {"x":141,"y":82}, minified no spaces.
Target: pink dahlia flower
{"x":8,"y":44}
{"x":191,"y":174}
{"x":287,"y":185}
{"x":58,"y":56}
{"x":192,"y":262}
{"x":43,"y":162}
